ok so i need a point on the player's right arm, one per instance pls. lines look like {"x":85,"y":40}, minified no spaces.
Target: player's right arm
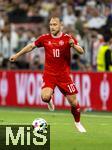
{"x":28,"y":48}
{"x":25,"y":50}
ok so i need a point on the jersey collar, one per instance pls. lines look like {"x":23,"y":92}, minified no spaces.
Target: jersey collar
{"x":57,"y":36}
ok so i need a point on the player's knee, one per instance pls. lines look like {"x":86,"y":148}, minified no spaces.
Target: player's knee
{"x":46,"y":97}
{"x":73,"y":101}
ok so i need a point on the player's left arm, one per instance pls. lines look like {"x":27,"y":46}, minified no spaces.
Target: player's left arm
{"x":76,"y":46}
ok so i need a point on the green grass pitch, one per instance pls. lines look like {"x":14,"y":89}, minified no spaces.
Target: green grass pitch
{"x":64,"y":135}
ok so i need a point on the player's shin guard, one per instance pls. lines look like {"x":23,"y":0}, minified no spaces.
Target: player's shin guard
{"x":75,"y":110}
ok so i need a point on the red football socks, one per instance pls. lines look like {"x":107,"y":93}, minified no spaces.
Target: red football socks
{"x":75,"y":110}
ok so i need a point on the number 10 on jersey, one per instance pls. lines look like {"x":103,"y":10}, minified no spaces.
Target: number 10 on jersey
{"x":56,"y":52}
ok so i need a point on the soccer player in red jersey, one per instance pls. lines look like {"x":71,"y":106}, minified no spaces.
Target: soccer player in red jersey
{"x":57,"y":66}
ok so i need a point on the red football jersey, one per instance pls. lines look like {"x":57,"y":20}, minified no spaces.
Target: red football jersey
{"x":57,"y":52}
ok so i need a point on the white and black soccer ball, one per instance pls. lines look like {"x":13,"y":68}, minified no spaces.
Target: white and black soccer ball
{"x":39,"y":125}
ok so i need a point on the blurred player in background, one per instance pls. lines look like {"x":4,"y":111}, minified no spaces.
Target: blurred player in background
{"x":57,"y":66}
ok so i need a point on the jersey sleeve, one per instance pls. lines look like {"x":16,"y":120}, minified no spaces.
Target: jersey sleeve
{"x":39,"y":42}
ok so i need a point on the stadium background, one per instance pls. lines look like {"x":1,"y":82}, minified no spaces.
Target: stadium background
{"x":21,"y":22}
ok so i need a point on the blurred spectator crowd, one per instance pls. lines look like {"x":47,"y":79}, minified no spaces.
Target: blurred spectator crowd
{"x":22,"y":21}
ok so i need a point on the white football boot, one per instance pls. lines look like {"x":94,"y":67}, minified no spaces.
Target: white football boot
{"x":80,"y":127}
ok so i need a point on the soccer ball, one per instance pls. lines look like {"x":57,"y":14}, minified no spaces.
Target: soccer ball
{"x":39,"y":125}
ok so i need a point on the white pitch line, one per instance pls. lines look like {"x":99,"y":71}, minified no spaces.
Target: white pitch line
{"x":14,"y":123}
{"x":59,"y":113}
{"x":96,"y":116}
{"x":104,"y":124}
{"x":49,"y":123}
